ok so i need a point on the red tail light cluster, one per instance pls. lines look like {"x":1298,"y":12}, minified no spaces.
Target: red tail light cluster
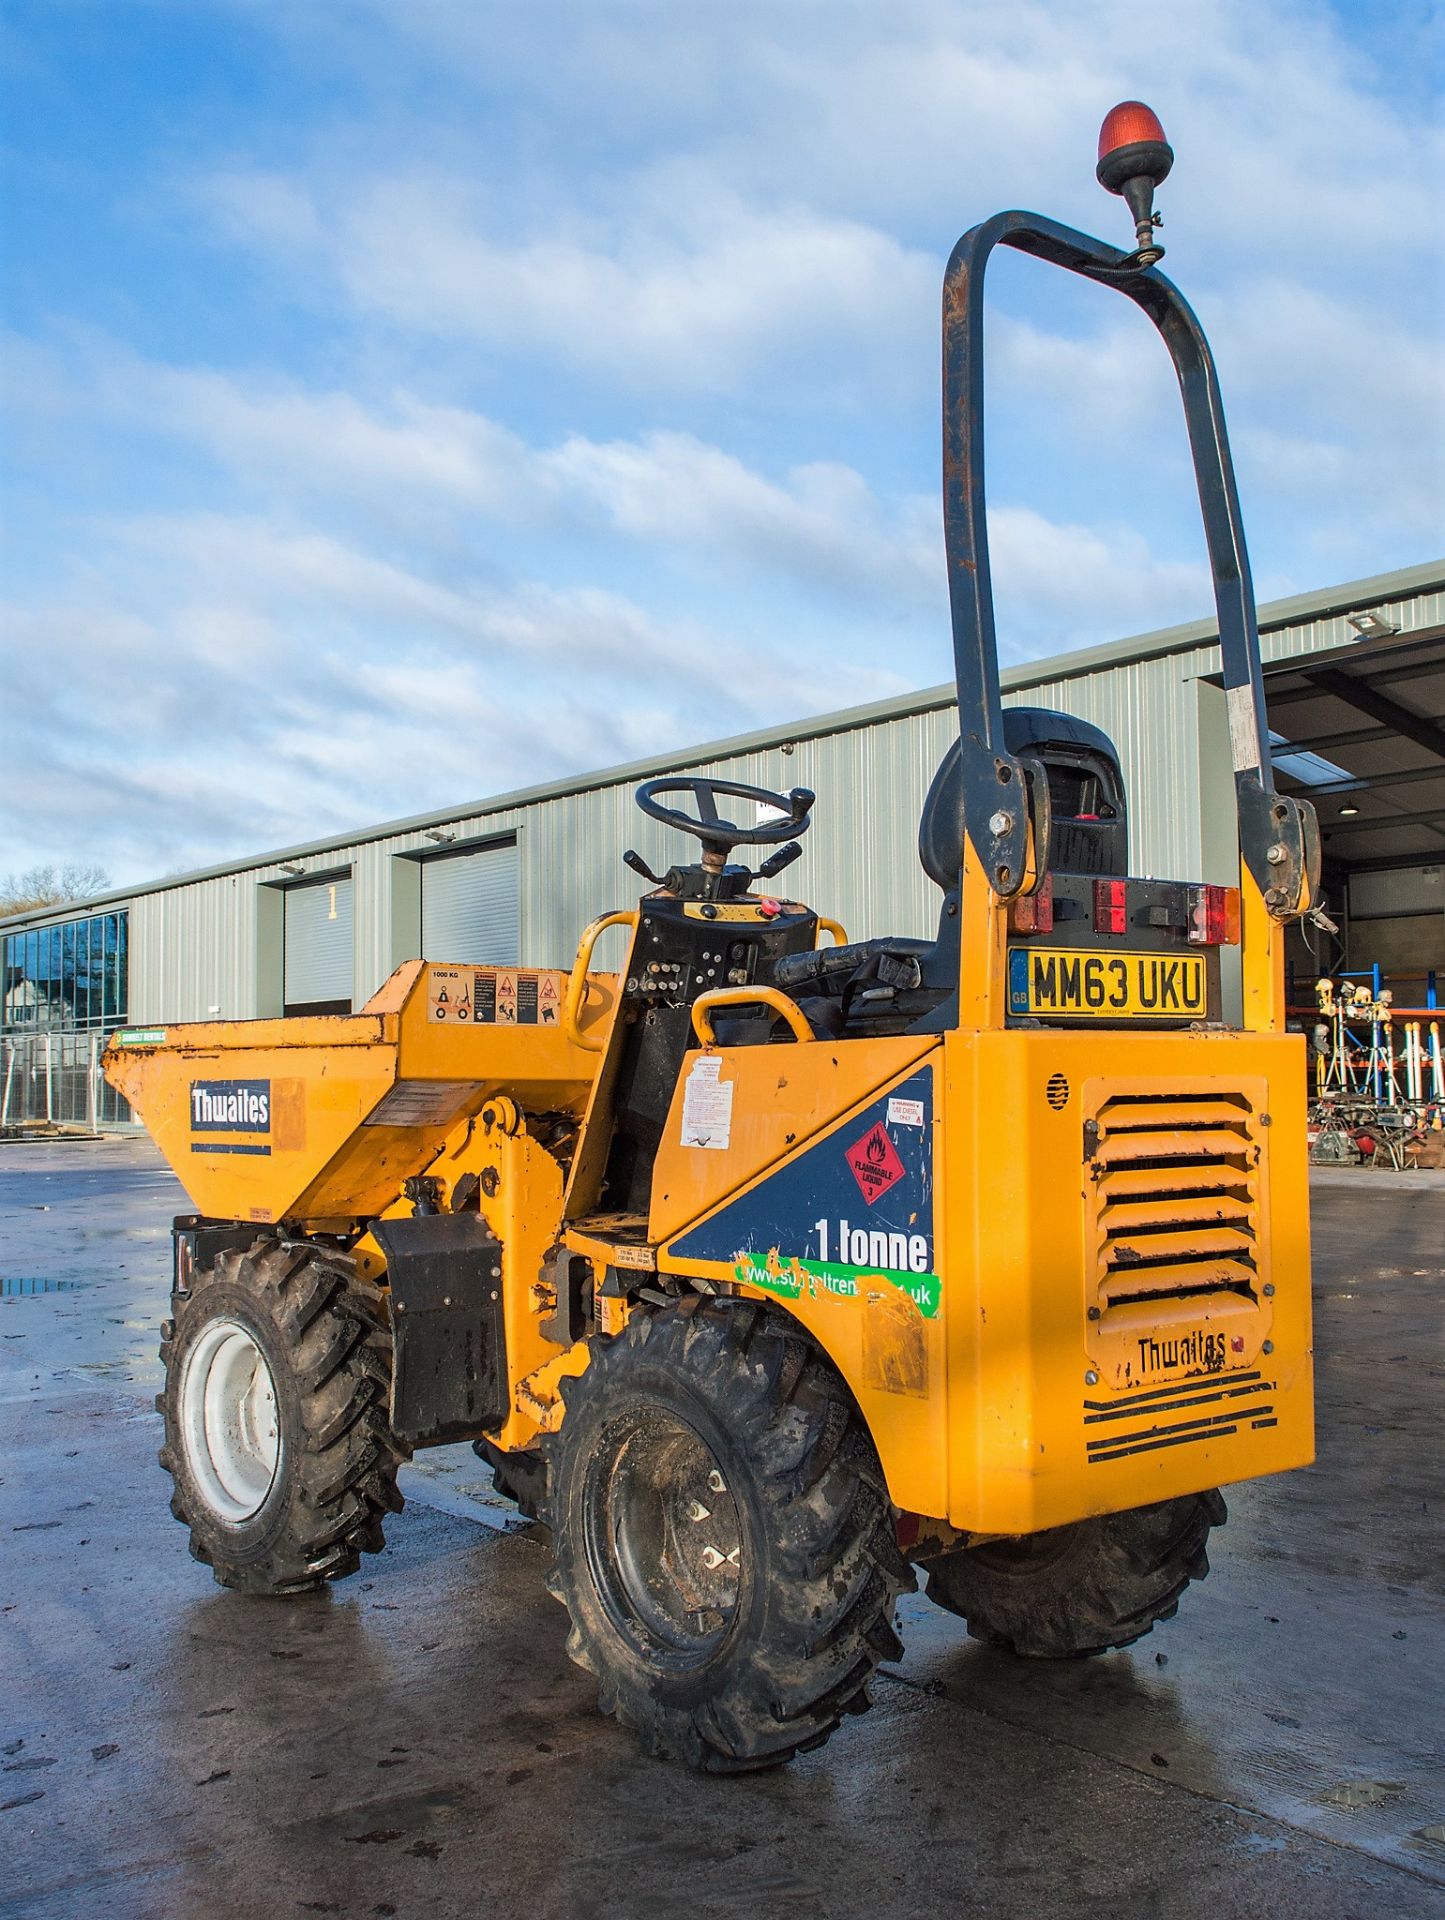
{"x":1214,"y":916}
{"x":1111,"y":906}
{"x":1034,"y":912}
{"x":1210,"y":919}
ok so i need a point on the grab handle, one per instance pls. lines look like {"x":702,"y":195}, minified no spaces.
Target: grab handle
{"x":707,"y":1004}
{"x":591,"y":1041}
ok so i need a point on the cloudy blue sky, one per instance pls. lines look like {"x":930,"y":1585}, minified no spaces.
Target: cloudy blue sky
{"x":407,"y":400}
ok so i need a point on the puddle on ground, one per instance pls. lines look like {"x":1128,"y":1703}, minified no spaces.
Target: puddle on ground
{"x":1353,"y":1794}
{"x":16,"y":1286}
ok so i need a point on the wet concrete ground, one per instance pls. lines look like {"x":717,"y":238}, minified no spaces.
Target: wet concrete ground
{"x":415,"y":1742}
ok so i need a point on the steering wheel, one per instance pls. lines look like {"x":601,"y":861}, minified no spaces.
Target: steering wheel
{"x":707,"y":824}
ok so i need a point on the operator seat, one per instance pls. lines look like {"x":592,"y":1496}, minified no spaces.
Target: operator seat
{"x":891,"y":984}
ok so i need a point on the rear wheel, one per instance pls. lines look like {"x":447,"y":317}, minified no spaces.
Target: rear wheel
{"x":278,"y":1375}
{"x":1084,"y":1588}
{"x":724,"y":1540}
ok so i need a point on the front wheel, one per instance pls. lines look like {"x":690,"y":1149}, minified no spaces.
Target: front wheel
{"x":278,"y":1376}
{"x":1080,"y":1589}
{"x":724,"y":1540}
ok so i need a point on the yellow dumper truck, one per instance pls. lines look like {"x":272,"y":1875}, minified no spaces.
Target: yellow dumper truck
{"x":776,"y":1267}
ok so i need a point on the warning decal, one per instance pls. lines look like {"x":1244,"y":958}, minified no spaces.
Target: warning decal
{"x":707,"y":1105}
{"x":492,"y":996}
{"x":507,"y":1000}
{"x":875,"y":1163}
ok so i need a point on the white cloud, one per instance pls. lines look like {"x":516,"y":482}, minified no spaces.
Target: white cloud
{"x":238,"y":683}
{"x":617,"y":423}
{"x":820,"y":525}
{"x":331,"y":438}
{"x":1344,"y":407}
{"x":690,"y":296}
{"x":1115,"y":377}
{"x":940,"y":110}
{"x":1053,"y":582}
{"x":1336,"y":410}
{"x":750,"y":205}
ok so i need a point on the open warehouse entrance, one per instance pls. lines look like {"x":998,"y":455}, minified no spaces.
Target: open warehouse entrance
{"x":1362,"y":732}
{"x":1363,"y":735}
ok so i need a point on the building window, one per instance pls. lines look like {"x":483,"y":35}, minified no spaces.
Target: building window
{"x":68,"y":977}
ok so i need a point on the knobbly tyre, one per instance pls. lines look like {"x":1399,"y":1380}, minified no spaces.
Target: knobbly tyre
{"x":777,"y":1268}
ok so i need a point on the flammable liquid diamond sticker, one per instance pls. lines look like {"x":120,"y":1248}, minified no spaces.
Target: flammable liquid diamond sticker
{"x":875,"y":1163}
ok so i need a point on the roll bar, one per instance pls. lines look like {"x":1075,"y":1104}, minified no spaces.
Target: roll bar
{"x":1279,"y":836}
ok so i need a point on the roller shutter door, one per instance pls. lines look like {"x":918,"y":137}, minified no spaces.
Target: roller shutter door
{"x":469,"y":907}
{"x":319,"y":947}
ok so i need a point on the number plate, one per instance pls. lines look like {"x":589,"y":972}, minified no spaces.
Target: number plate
{"x":1074,"y":984}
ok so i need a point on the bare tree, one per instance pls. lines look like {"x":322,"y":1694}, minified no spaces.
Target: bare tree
{"x":50,"y":886}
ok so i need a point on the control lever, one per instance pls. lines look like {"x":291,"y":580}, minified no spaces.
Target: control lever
{"x":639,"y":865}
{"x":775,"y":862}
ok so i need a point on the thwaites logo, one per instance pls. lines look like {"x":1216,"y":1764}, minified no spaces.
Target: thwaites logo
{"x":1196,"y":1351}
{"x":230,"y":1106}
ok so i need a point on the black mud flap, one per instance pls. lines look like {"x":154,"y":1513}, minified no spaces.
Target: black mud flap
{"x":195,"y":1242}
{"x":449,"y":1380}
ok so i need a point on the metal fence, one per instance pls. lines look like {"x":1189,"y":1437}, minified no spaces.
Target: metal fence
{"x":54,"y":1080}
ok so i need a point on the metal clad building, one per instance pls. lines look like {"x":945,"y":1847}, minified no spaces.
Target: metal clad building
{"x":516,"y":878}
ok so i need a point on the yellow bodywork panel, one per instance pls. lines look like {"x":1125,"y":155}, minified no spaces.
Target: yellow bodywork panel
{"x":781,"y":1096}
{"x":322,"y":1119}
{"x":1063,"y":1273}
{"x":775,"y":1108}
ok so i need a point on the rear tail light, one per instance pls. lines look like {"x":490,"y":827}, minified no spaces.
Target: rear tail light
{"x":1214,"y":916}
{"x":1034,"y":912}
{"x":1111,"y":906}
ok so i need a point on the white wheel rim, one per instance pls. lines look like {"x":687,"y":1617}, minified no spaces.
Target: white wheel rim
{"x":229,"y":1423}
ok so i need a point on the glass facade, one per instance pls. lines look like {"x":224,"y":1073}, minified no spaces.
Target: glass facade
{"x":67,"y":977}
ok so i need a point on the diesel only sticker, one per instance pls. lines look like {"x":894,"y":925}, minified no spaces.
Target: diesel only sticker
{"x":227,"y":1107}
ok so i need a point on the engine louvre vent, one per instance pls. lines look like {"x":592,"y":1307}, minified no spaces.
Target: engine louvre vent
{"x":1176,"y":1185}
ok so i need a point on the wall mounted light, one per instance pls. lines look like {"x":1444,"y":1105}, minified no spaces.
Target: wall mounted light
{"x":1372,"y":626}
{"x":290,"y":866}
{"x":440,"y":835}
